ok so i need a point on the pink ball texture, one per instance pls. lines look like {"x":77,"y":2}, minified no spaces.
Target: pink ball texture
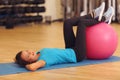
{"x":101,"y":41}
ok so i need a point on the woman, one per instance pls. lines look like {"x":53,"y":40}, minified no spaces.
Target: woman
{"x":75,"y":49}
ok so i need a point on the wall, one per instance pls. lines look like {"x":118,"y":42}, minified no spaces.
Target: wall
{"x":53,"y":9}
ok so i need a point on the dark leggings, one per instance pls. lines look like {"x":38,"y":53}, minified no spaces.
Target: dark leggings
{"x":78,"y":43}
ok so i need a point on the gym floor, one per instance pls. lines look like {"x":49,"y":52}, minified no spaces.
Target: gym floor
{"x":37,"y":36}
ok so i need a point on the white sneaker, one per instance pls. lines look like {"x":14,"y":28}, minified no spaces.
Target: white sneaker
{"x":98,"y":12}
{"x":109,"y":14}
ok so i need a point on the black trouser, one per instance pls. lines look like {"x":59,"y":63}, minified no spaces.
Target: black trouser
{"x":78,"y":43}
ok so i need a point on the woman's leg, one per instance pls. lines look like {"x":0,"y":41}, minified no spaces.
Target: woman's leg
{"x":80,"y":42}
{"x":69,"y":36}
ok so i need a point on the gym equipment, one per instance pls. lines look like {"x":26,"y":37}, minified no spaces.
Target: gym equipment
{"x":20,"y":11}
{"x":12,"y":68}
{"x":101,"y":41}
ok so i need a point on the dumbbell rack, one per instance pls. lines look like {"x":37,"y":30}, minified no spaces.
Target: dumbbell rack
{"x":13,"y":12}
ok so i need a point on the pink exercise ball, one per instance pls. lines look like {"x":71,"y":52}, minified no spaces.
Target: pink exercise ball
{"x":101,"y":41}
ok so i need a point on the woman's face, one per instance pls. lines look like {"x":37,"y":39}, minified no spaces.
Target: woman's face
{"x":29,"y":56}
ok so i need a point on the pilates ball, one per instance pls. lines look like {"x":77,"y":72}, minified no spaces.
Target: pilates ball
{"x":101,"y":41}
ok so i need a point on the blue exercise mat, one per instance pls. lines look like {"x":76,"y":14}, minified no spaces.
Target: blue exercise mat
{"x":12,"y":68}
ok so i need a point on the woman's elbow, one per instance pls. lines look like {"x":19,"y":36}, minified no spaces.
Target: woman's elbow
{"x":31,"y":68}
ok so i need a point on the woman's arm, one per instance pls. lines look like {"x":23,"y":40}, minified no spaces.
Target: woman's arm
{"x":36,"y":65}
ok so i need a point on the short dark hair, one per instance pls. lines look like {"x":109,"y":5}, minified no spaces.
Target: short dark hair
{"x":20,"y":61}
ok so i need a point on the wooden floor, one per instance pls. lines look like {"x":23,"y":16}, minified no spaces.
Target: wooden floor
{"x":38,"y":36}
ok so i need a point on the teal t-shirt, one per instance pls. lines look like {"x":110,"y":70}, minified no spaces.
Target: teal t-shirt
{"x":54,"y":56}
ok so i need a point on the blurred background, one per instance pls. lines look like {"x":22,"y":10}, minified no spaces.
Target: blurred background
{"x":13,"y":12}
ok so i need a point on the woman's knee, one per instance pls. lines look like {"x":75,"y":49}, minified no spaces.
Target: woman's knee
{"x":68,"y":25}
{"x":67,"y":22}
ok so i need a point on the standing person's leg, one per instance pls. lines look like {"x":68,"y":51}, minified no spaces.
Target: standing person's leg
{"x":97,"y":13}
